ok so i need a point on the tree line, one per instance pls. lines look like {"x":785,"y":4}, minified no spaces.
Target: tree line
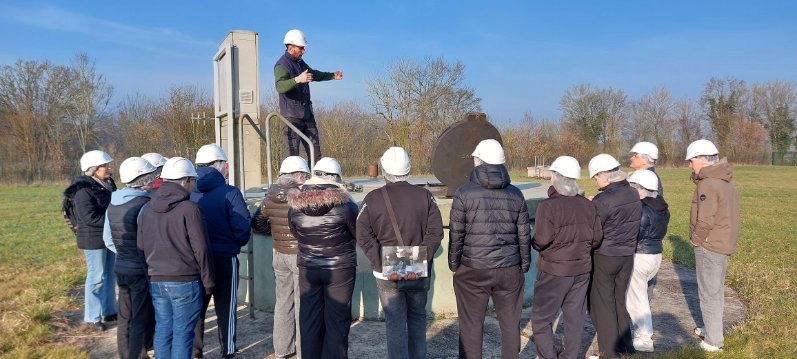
{"x":50,"y":114}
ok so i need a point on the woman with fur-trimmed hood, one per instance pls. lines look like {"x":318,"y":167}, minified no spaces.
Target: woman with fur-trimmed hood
{"x":322,"y":217}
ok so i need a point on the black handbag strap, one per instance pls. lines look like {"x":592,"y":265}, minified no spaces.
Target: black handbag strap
{"x":392,"y":215}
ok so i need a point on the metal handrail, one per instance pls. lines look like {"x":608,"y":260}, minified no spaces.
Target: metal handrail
{"x":268,"y":143}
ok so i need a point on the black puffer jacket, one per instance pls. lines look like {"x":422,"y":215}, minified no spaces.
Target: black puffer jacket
{"x":85,"y":203}
{"x":653,"y":228}
{"x":620,"y":211}
{"x":322,"y":218}
{"x":489,"y":226}
{"x":567,"y":229}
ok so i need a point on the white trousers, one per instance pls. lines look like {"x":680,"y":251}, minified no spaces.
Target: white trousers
{"x":636,"y":298}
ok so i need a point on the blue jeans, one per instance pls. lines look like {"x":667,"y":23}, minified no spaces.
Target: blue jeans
{"x":177,"y":306}
{"x":405,"y":320}
{"x":100,"y":296}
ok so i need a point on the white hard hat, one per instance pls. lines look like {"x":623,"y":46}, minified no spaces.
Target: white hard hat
{"x":156,"y":159}
{"x":701,"y":148}
{"x":94,"y":158}
{"x":294,"y":164}
{"x":566,"y":166}
{"x":645,"y":178}
{"x":178,"y":167}
{"x":134,"y":167}
{"x":328,"y":165}
{"x":601,"y":163}
{"x":210,"y":153}
{"x":490,"y":151}
{"x":395,"y":161}
{"x":646,"y":148}
{"x":295,"y":37}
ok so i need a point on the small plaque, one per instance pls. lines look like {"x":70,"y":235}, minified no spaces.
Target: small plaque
{"x":246,"y":96}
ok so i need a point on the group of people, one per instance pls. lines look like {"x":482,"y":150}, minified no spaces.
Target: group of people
{"x":600,"y":255}
{"x":169,"y":240}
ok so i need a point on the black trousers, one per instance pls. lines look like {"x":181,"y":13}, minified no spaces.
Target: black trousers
{"x":225,"y":298}
{"x":610,"y":277}
{"x":136,"y":324}
{"x":325,"y":311}
{"x":293,"y":141}
{"x":473,"y":288}
{"x":552,"y":293}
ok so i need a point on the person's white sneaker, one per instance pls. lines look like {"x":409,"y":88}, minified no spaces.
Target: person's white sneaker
{"x":594,"y":356}
{"x":643,"y":345}
{"x":700,"y":332}
{"x":708,"y":347}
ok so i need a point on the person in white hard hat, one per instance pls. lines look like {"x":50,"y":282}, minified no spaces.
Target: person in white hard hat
{"x":322,"y":218}
{"x":157,"y":160}
{"x":620,"y":212}
{"x":229,"y":228}
{"x":714,"y":232}
{"x":647,"y":258}
{"x":643,"y":157}
{"x":173,"y":238}
{"x":85,"y":202}
{"x":136,"y":316}
{"x":420,"y":225}
{"x":271,"y":217}
{"x":489,"y":251}
{"x":567,"y":229}
{"x":292,"y":77}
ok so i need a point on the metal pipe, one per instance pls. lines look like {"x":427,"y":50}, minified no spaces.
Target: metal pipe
{"x":296,"y":130}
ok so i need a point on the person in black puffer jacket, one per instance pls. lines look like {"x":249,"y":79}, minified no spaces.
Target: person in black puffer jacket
{"x":85,"y":203}
{"x":567,"y":229}
{"x":322,"y":217}
{"x":489,"y":249}
{"x":647,"y":259}
{"x":620,"y":212}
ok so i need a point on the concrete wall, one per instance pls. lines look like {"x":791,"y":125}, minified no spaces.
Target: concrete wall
{"x":365,"y":301}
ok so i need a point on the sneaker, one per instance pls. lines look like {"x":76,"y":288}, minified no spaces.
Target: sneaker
{"x":708,"y":347}
{"x":700,"y":332}
{"x":643,"y":345}
{"x":594,"y":356}
{"x":96,"y":326}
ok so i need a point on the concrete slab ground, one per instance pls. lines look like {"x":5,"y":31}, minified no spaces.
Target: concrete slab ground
{"x":675,"y":315}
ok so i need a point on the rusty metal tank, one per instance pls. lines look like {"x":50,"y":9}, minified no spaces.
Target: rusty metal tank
{"x":451,"y":157}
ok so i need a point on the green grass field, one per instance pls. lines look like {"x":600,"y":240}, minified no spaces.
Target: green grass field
{"x":40,"y":266}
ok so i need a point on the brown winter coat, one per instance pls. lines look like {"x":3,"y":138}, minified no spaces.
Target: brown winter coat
{"x":272,"y":217}
{"x":714,"y":217}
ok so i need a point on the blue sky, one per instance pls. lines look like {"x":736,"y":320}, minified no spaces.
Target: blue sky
{"x":519,"y":56}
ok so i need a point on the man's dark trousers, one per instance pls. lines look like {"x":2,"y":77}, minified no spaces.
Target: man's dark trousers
{"x":225,"y":299}
{"x":473,"y":288}
{"x":136,"y":324}
{"x":293,"y":141}
{"x":550,"y":294}
{"x":610,"y":278}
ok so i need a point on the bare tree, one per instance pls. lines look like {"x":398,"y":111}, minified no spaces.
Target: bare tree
{"x":597,"y":115}
{"x":688,"y":127}
{"x":418,"y":101}
{"x":86,"y":100}
{"x":652,"y":120}
{"x":773,"y":106}
{"x":723,"y":105}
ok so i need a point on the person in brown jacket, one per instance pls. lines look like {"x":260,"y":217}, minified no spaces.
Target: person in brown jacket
{"x":714,"y":231}
{"x":567,"y":230}
{"x":272,"y":218}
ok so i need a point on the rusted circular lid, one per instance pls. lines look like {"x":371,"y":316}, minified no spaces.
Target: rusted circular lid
{"x":451,"y":157}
